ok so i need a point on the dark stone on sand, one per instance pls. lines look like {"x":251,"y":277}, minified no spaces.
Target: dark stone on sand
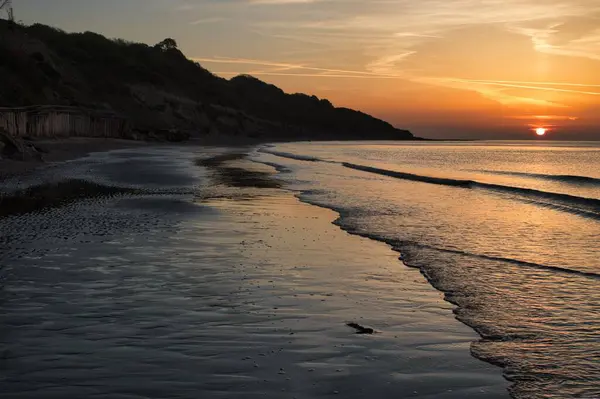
{"x":360,"y":329}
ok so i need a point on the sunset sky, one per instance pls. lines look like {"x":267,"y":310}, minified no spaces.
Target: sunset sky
{"x":442,"y":68}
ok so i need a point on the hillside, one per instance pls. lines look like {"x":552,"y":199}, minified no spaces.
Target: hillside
{"x":157,"y":87}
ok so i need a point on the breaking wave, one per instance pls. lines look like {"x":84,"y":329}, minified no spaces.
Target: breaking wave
{"x":588,"y":207}
{"x":569,"y":179}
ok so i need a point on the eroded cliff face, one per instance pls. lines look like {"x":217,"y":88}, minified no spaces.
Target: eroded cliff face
{"x":132,"y":90}
{"x":62,"y":121}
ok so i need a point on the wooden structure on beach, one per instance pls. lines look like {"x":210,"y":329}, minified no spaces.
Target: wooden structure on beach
{"x":52,"y":121}
{"x":6,"y":6}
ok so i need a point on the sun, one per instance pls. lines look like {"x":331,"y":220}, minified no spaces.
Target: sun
{"x":540,"y":131}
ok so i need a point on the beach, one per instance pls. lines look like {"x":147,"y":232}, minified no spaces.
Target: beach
{"x":63,"y":149}
{"x":60,"y":150}
{"x":298,"y":199}
{"x":212,"y":279}
{"x":506,"y":230}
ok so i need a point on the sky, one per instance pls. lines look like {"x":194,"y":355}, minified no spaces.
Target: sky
{"x":494,"y":69}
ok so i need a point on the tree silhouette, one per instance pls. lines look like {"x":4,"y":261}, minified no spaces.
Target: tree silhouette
{"x":167,"y":44}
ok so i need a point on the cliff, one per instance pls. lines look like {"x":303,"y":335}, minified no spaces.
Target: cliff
{"x":155,"y":91}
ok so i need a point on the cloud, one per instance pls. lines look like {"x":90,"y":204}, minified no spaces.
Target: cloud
{"x":523,"y":86}
{"x":243,"y":61}
{"x":306,"y":75}
{"x":387,"y":64}
{"x":537,"y":83}
{"x":483,"y":87}
{"x":185,"y":7}
{"x":554,"y":40}
{"x":498,"y":95}
{"x":207,"y":20}
{"x":542,"y":118}
{"x":281,"y":1}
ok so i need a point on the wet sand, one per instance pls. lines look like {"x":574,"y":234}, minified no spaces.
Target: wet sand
{"x":66,"y":149}
{"x":59,"y":150}
{"x":231,"y":289}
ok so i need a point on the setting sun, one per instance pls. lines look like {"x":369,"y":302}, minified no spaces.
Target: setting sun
{"x":540,"y":131}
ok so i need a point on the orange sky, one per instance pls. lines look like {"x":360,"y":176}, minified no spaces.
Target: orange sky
{"x":443,"y":68}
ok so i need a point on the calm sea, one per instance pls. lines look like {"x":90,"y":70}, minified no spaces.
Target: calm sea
{"x":509,"y":231}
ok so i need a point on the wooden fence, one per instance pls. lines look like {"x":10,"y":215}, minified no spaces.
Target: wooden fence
{"x":62,"y":121}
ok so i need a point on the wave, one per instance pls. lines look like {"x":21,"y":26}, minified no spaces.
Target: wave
{"x":402,"y":246}
{"x":566,"y":201}
{"x":291,"y":156}
{"x":279,"y":168}
{"x":508,"y":260}
{"x":570,"y":179}
{"x":560,"y":207}
{"x":581,"y":206}
{"x":411,"y":176}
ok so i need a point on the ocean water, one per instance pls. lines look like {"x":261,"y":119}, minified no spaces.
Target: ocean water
{"x":509,"y":231}
{"x":145,"y":273}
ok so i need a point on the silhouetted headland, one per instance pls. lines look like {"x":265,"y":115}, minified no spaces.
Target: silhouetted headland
{"x":83,"y":84}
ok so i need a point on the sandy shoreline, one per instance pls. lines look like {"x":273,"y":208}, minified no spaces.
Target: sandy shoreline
{"x":66,"y":149}
{"x":313,"y":279}
{"x":237,"y":291}
{"x":60,"y":150}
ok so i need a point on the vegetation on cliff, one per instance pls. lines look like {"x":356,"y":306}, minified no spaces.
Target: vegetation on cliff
{"x":157,"y":87}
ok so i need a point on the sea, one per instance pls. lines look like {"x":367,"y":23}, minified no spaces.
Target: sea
{"x":509,"y":231}
{"x":131,"y":281}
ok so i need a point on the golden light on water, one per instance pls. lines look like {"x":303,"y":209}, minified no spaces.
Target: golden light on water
{"x":541,"y":131}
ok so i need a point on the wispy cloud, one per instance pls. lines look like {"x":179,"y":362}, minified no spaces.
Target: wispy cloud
{"x":586,"y":46}
{"x":281,"y":1}
{"x":497,"y":94}
{"x":543,"y":118}
{"x":374,"y":74}
{"x":536,"y":83}
{"x":387,"y":64}
{"x":185,"y":7}
{"x":307,"y":75}
{"x":207,"y":20}
{"x":291,"y":66}
{"x":524,"y":86}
